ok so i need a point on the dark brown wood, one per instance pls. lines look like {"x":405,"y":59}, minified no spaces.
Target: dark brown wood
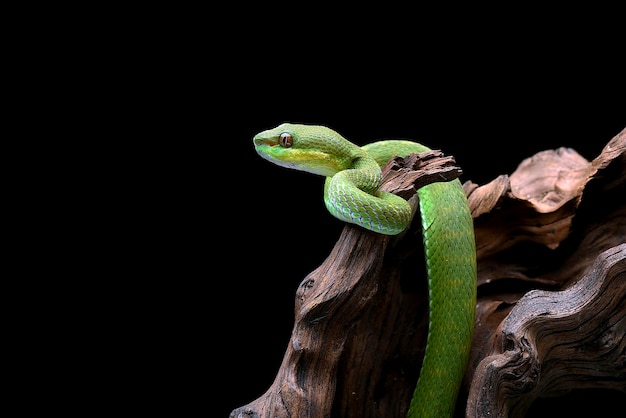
{"x":555,"y":341}
{"x":551,"y":310}
{"x":404,"y":175}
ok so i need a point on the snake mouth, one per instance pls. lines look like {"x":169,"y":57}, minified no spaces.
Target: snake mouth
{"x":267,"y":148}
{"x":265,"y":141}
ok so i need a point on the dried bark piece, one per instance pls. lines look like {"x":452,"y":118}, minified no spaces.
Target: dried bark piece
{"x":485,"y":198}
{"x":404,"y":175}
{"x":549,"y":179}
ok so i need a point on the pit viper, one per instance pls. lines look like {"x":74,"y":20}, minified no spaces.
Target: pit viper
{"x":351,"y":193}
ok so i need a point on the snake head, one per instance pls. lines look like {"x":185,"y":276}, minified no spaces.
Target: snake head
{"x":311,"y":148}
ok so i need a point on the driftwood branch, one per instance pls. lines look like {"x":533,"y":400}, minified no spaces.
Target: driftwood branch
{"x":551,"y":310}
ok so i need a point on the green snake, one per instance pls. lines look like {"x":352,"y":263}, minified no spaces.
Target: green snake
{"x":351,"y":193}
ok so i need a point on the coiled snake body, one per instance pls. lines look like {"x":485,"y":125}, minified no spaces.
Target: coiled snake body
{"x":353,"y":175}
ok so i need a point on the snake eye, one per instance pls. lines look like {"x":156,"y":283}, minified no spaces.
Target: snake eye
{"x":286,"y":140}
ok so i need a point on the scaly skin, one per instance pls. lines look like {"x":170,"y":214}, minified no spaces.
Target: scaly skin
{"x":353,"y":175}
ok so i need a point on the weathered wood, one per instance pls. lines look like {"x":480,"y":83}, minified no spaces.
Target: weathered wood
{"x":551,"y":311}
{"x":403,"y":176}
{"x":555,"y":341}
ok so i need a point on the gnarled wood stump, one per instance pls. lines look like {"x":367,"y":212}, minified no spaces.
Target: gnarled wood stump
{"x":551,"y":309}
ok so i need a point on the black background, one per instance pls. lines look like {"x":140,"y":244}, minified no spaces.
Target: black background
{"x":281,"y":230}
{"x":186,"y":246}
{"x":231,"y":236}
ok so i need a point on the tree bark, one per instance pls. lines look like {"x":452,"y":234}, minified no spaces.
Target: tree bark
{"x":551,"y":308}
